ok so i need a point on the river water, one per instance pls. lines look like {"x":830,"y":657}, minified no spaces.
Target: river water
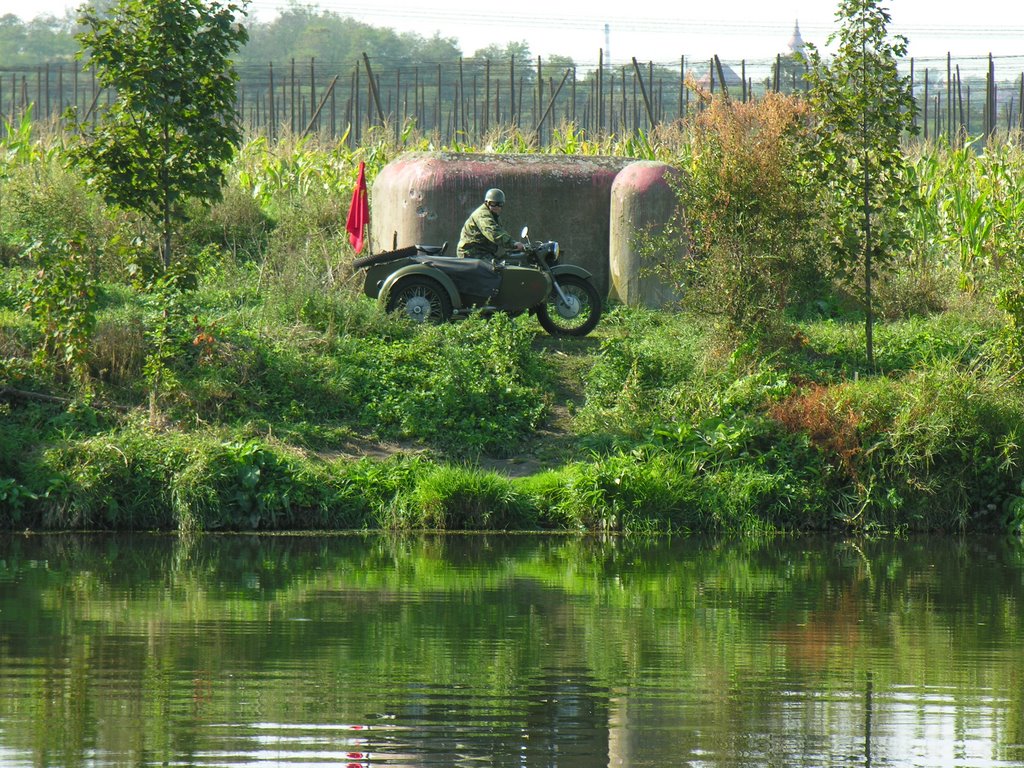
{"x":367,"y":650}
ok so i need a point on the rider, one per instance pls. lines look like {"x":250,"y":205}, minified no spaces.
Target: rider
{"x":482,"y":236}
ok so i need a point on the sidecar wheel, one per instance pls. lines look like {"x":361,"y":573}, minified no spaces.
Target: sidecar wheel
{"x":579,"y":316}
{"x":421,"y":299}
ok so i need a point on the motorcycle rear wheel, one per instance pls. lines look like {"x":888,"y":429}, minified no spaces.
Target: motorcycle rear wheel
{"x":579,"y":316}
{"x":421,"y":299}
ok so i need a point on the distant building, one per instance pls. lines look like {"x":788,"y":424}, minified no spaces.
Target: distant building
{"x":711,"y":81}
{"x":796,"y":42}
{"x":788,"y":69}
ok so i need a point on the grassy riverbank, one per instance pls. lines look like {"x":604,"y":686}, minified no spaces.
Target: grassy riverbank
{"x":260,"y":391}
{"x":344,"y":418}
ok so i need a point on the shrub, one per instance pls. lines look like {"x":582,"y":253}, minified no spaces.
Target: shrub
{"x":913,"y":292}
{"x":118,"y":349}
{"x":747,"y":216}
{"x":62,"y":302}
{"x":465,"y":387}
{"x":251,"y":485}
{"x":650,"y":369}
{"x":1010,"y":299}
{"x":636,"y":492}
{"x":44,"y":202}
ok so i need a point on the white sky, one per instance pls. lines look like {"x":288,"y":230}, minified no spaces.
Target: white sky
{"x":659,"y":31}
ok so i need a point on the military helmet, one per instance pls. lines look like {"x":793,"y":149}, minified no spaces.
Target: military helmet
{"x":495,"y":196}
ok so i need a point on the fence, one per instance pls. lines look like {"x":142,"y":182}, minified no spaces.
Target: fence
{"x":463,"y":101}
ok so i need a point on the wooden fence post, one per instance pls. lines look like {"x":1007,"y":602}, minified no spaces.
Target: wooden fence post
{"x":312,"y":86}
{"x":949,"y":97}
{"x":643,"y":92}
{"x":487,"y":96}
{"x":961,"y":129}
{"x":316,"y":114}
{"x":292,"y":116}
{"x":272,"y":118}
{"x":913,"y":117}
{"x":721,"y":77}
{"x":925,"y":118}
{"x":1020,"y":110}
{"x":551,"y":103}
{"x":512,"y":89}
{"x":538,"y":100}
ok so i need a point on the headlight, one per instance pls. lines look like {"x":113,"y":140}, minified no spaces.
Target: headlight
{"x":554,"y":250}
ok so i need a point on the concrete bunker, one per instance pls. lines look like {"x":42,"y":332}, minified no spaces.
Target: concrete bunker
{"x":424,"y":197}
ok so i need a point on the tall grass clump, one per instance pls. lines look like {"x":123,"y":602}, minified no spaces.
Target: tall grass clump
{"x":641,"y":491}
{"x":134,"y":478}
{"x":1010,"y":299}
{"x":459,"y":498}
{"x":42,"y":201}
{"x":741,"y":477}
{"x":119,"y":480}
{"x":256,"y":485}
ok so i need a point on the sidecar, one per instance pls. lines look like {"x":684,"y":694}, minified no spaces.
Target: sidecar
{"x":432,"y":287}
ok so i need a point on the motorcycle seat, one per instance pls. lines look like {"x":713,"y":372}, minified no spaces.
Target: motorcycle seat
{"x":433,"y":250}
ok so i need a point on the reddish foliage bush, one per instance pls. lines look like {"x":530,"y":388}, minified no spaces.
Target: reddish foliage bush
{"x":830,"y":428}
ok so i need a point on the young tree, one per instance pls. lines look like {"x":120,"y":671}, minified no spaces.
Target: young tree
{"x":862,"y":107}
{"x":172,"y":126}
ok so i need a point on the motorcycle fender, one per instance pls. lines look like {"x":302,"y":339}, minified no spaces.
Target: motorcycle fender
{"x":570,"y":269}
{"x":427,"y":271}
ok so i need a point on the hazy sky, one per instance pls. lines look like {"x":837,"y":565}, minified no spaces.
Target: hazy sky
{"x":733,"y":29}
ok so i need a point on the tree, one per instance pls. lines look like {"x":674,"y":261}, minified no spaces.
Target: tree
{"x":503,"y":53}
{"x":301,"y":33}
{"x":172,"y":127}
{"x":862,"y":107}
{"x":45,"y":39}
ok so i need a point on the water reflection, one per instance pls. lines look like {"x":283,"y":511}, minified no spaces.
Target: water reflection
{"x":509,"y":651}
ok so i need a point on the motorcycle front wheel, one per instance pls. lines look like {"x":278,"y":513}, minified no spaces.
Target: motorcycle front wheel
{"x":578,"y":315}
{"x":421,"y":299}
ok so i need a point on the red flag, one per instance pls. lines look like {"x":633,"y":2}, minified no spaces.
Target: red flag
{"x":358,"y":211}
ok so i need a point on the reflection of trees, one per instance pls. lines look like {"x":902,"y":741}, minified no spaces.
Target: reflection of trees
{"x":499,"y":644}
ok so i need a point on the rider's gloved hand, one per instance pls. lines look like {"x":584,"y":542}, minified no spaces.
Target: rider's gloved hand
{"x":519,"y":247}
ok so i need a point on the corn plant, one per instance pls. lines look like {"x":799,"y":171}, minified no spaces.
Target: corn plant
{"x":17,"y":146}
{"x":971,"y":211}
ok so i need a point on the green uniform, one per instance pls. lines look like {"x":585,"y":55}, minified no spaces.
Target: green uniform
{"x":482,"y":236}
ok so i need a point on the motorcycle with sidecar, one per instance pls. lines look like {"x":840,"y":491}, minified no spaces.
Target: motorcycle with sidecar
{"x":429,"y":286}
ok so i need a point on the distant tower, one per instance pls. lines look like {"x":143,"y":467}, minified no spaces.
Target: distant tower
{"x":796,"y":42}
{"x":788,"y":70}
{"x":607,"y":44}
